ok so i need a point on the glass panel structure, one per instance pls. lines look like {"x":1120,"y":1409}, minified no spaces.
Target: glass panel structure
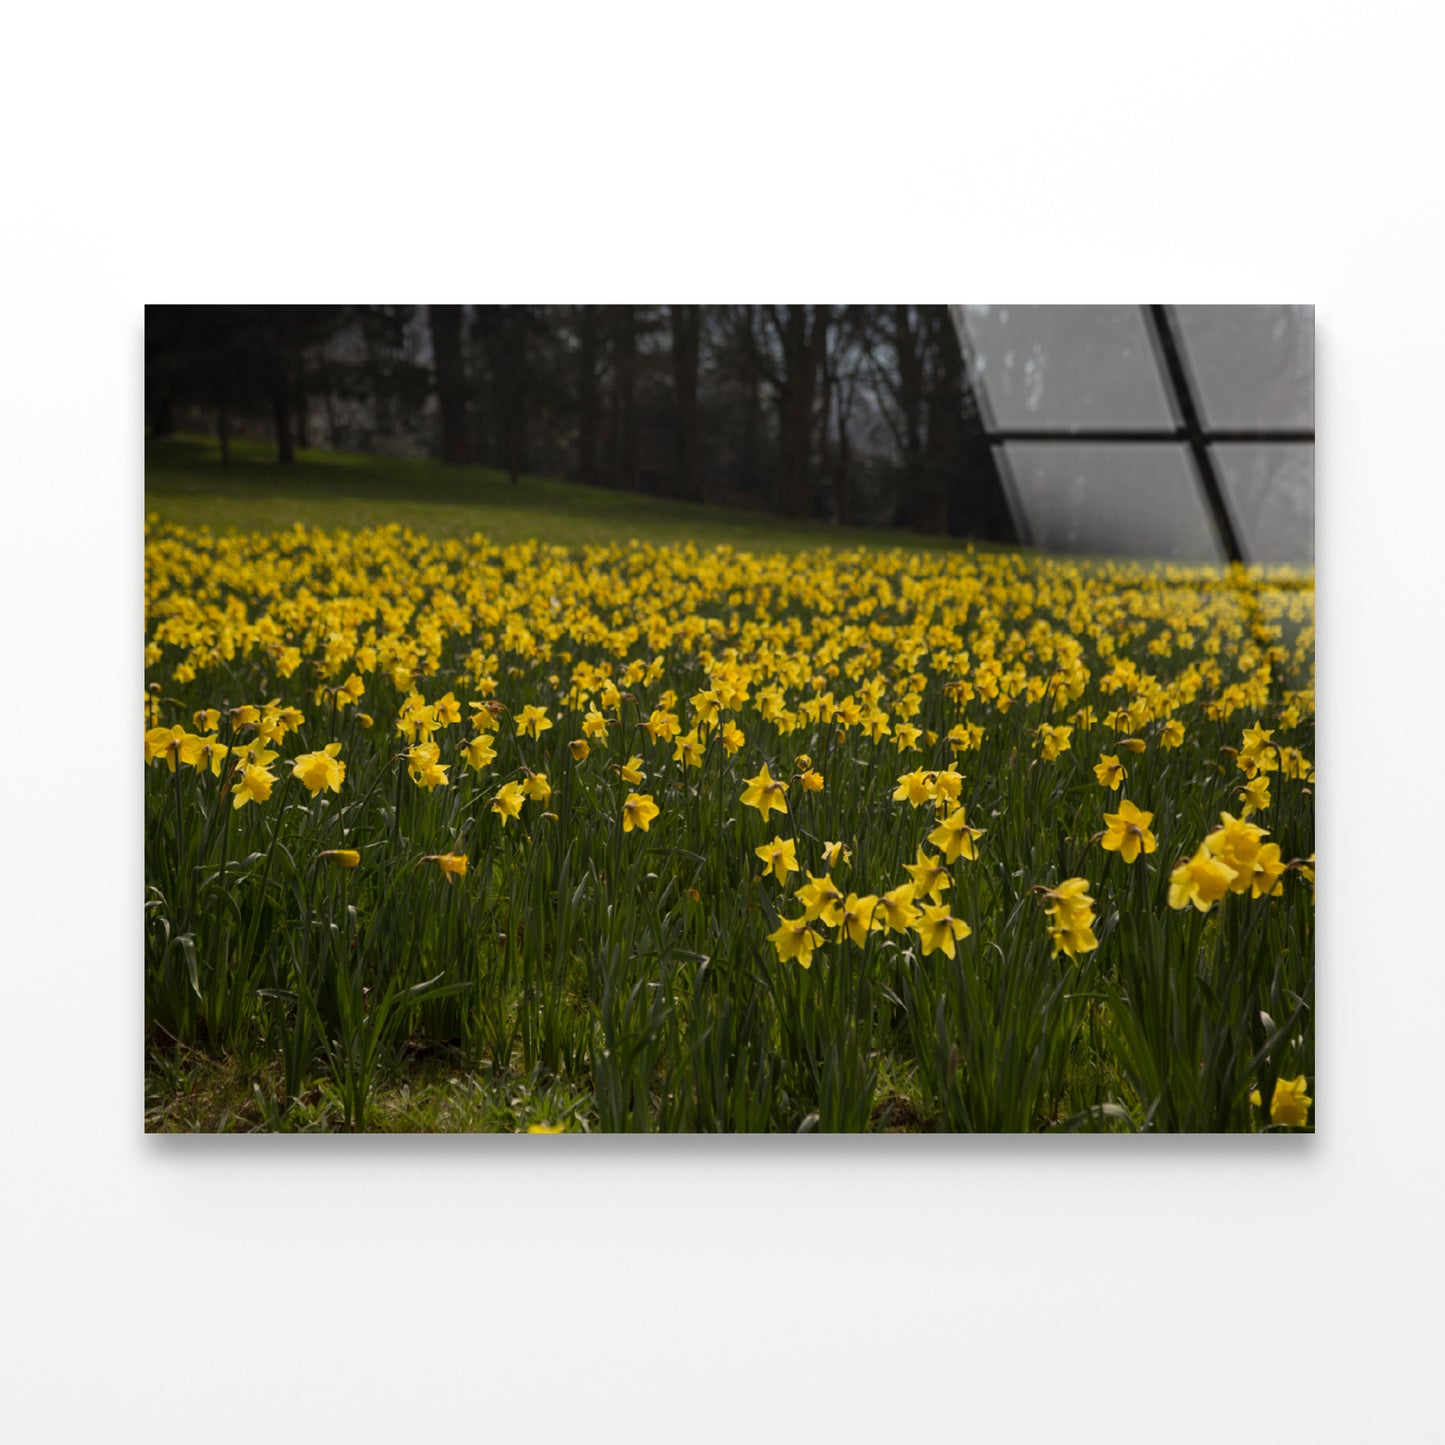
{"x":1114,"y":499}
{"x":1068,"y":366}
{"x":1271,"y":493}
{"x":1176,"y":432}
{"x":1254,"y":366}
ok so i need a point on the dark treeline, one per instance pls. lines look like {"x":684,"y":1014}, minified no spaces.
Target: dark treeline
{"x":863,"y":414}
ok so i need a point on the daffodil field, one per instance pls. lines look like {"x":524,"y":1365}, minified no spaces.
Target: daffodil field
{"x":657,"y":838}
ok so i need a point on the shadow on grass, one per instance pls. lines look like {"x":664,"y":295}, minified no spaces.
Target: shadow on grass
{"x":186,"y":483}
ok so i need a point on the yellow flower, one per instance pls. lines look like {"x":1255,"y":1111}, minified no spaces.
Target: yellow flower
{"x":732,"y":738}
{"x":1171,"y":735}
{"x":1202,"y":881}
{"x":479,"y":753}
{"x":546,"y":1129}
{"x":1053,"y":741}
{"x":579,"y":749}
{"x":206,"y":719}
{"x":1268,"y":869}
{"x":915,"y":788}
{"x":955,"y":837}
{"x":1255,"y":794}
{"x":253,"y":786}
{"x":689,"y":750}
{"x":537,"y":788}
{"x":835,"y":854}
{"x":1127,"y":832}
{"x":855,"y":917}
{"x":897,"y":909}
{"x":1290,"y":1104}
{"x":820,"y":898}
{"x":1134,"y":745}
{"x":632,"y":771}
{"x":175,"y":745}
{"x":812,"y":781}
{"x":508,"y":802}
{"x":533,"y":721}
{"x":1110,"y":771}
{"x":930,"y":877}
{"x":794,"y":939}
{"x":779,"y":857}
{"x":319,"y":771}
{"x":1071,"y":911}
{"x":907,"y":737}
{"x":448,"y":710}
{"x":595,"y":725}
{"x":1235,"y":845}
{"x":211,"y":754}
{"x":662,"y":725}
{"x":423,"y":765}
{"x":346,"y":857}
{"x":765,"y":793}
{"x":938,"y":928}
{"x":453,"y":865}
{"x":638,"y":811}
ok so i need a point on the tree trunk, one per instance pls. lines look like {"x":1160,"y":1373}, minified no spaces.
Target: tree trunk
{"x":451,"y":382}
{"x":686,"y":348}
{"x":281,"y":414}
{"x":910,"y":397}
{"x":803,"y":351}
{"x":626,"y":383}
{"x":587,"y":410}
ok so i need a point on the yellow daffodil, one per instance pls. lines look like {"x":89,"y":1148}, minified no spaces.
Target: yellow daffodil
{"x":820,"y":898}
{"x":1255,"y":794}
{"x":793,"y":939}
{"x":689,"y":750}
{"x":533,"y":722}
{"x":253,"y":786}
{"x":508,"y":802}
{"x":854,"y":917}
{"x":342,"y":857}
{"x":835,"y":855}
{"x":1202,"y":881}
{"x":930,"y":877}
{"x":1290,"y":1105}
{"x":938,"y":928}
{"x":638,"y":811}
{"x":955,"y":837}
{"x":1053,"y":740}
{"x":897,"y":910}
{"x":780,"y":857}
{"x":319,"y":771}
{"x":479,"y":752}
{"x":1110,"y":771}
{"x":1127,"y":832}
{"x":765,"y":793}
{"x":915,"y":788}
{"x":452,"y":865}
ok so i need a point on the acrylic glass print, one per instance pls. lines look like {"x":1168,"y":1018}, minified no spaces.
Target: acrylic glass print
{"x":751,"y":718}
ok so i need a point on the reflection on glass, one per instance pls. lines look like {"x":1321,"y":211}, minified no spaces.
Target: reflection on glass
{"x":1124,"y":499}
{"x":1252,"y":366}
{"x":1270,"y":492}
{"x":1056,"y":367}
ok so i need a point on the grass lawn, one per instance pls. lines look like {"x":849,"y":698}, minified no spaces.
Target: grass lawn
{"x":186,"y":484}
